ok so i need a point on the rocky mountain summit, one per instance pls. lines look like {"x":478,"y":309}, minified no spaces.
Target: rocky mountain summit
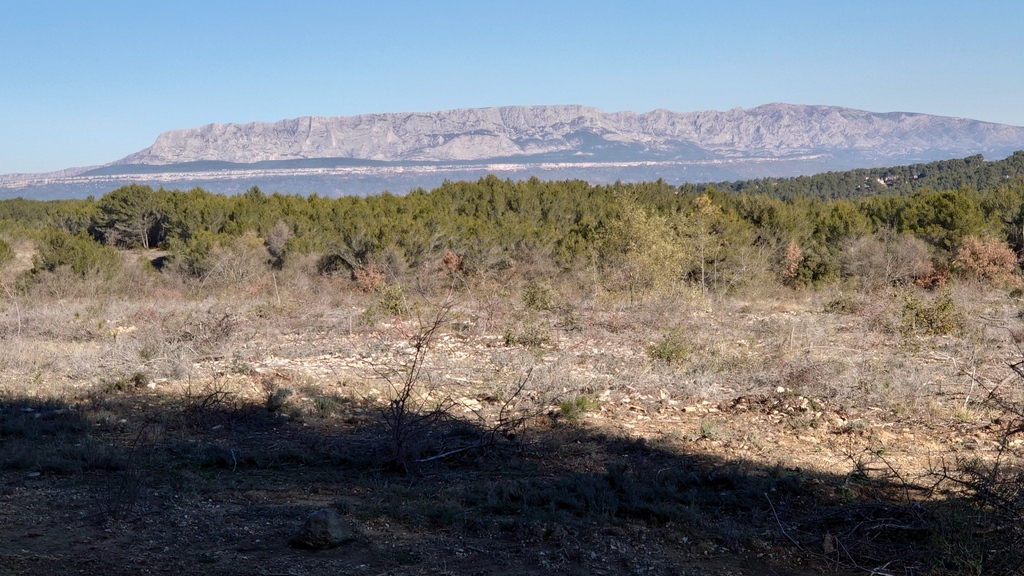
{"x":374,"y":152}
{"x":770,"y":131}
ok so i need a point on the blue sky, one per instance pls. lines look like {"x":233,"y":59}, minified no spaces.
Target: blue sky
{"x":84,"y":83}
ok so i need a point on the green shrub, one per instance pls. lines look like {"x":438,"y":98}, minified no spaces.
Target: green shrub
{"x":530,"y":333}
{"x":569,"y":319}
{"x":136,"y":381}
{"x":939,"y":317}
{"x":639,"y":254}
{"x":391,"y":300}
{"x":709,"y":430}
{"x":192,"y":256}
{"x":818,"y":266}
{"x":843,"y":303}
{"x":80,"y":253}
{"x":6,"y":253}
{"x":670,"y":348}
{"x":538,"y":296}
{"x":572,"y":408}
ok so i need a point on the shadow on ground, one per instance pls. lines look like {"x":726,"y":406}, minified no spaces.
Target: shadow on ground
{"x":128,"y":482}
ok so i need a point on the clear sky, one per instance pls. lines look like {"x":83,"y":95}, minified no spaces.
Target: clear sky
{"x":85,"y":83}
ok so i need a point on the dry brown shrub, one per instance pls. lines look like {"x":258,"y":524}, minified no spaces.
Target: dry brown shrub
{"x":990,"y":260}
{"x":369,"y":278}
{"x":791,"y":262}
{"x":451,"y":262}
{"x":444,"y":271}
{"x":933,"y":278}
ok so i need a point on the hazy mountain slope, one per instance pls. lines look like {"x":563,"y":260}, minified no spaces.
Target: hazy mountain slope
{"x":373,"y":152}
{"x":773,"y":130}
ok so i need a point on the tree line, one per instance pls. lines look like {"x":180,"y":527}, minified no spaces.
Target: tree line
{"x":640,"y":236}
{"x":971,"y":172}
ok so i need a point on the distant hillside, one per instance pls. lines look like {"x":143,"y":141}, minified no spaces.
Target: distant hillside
{"x":371,"y":153}
{"x":973,"y":172}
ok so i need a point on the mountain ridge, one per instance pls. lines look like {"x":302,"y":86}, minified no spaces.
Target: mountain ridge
{"x":370,"y":153}
{"x":771,"y":130}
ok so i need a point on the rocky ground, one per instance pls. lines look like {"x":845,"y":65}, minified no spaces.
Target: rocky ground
{"x":728,"y":437}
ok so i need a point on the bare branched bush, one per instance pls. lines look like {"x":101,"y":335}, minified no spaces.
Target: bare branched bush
{"x":429,"y":417}
{"x":415,"y":401}
{"x":237,"y":262}
{"x":746,"y":270}
{"x":276,"y":240}
{"x":211,"y":262}
{"x":206,"y":332}
{"x":979,"y":530}
{"x":887,"y":259}
{"x":123,"y":491}
{"x":392,"y":262}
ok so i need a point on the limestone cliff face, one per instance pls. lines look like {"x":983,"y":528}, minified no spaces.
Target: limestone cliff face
{"x":770,"y":131}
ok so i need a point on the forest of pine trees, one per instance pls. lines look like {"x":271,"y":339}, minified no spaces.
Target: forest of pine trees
{"x":940,"y":219}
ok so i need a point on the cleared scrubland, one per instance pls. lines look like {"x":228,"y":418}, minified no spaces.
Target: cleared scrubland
{"x":503,"y":377}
